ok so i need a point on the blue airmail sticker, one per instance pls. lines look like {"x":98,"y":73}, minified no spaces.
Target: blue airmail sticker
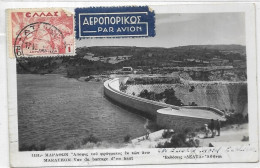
{"x":114,"y":22}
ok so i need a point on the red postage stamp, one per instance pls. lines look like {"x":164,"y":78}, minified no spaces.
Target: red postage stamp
{"x":41,"y":32}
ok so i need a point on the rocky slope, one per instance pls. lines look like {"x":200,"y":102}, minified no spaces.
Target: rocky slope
{"x":227,"y":96}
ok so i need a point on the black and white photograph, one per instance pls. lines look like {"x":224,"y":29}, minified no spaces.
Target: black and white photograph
{"x":186,"y":87}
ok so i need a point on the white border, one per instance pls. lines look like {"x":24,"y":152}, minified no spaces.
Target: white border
{"x":58,"y":4}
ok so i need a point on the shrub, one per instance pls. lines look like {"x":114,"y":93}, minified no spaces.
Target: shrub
{"x":159,"y":80}
{"x":177,"y":141}
{"x":89,"y":78}
{"x":193,"y":104}
{"x":180,"y":140}
{"x":245,"y":138}
{"x":167,"y":134}
{"x":42,"y":147}
{"x":91,"y":138}
{"x":70,"y":147}
{"x":235,"y":118}
{"x":152,"y":126}
{"x":33,"y":147}
{"x":192,"y":88}
{"x":171,"y":98}
{"x":127,"y":138}
{"x":122,"y":87}
{"x":187,"y":130}
{"x":159,"y":96}
{"x":144,"y":94}
{"x":168,"y":95}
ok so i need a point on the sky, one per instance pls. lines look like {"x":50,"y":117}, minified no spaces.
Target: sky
{"x":174,"y":30}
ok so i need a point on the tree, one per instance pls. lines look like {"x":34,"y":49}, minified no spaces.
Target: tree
{"x":171,"y":98}
{"x":144,"y":93}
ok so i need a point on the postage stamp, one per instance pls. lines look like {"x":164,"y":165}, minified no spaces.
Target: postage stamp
{"x":40,"y":32}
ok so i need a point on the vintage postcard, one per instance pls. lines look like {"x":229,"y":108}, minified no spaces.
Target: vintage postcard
{"x":132,"y":85}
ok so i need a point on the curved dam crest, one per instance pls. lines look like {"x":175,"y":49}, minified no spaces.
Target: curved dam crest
{"x":168,"y":116}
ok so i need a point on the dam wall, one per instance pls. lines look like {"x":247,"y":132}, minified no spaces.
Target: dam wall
{"x":173,"y":121}
{"x":149,"y":107}
{"x":167,"y":116}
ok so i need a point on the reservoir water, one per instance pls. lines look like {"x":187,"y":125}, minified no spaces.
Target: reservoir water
{"x":56,"y":111}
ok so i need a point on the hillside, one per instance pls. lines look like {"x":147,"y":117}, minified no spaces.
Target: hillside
{"x":182,"y":56}
{"x":228,"y":97}
{"x":121,"y":50}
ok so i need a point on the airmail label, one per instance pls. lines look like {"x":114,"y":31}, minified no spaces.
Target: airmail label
{"x":114,"y":22}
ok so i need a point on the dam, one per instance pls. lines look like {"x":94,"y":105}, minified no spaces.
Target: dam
{"x":166,"y":115}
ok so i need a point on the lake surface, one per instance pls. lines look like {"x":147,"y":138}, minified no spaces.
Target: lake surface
{"x":57,"y":111}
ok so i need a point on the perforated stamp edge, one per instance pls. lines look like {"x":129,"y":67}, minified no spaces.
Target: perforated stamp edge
{"x":59,"y":22}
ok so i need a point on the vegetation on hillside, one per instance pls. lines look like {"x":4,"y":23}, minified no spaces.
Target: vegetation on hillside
{"x":147,"y":58}
{"x":168,"y":96}
{"x":149,"y":80}
{"x":181,"y":140}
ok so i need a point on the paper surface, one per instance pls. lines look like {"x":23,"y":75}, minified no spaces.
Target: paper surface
{"x":53,"y":91}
